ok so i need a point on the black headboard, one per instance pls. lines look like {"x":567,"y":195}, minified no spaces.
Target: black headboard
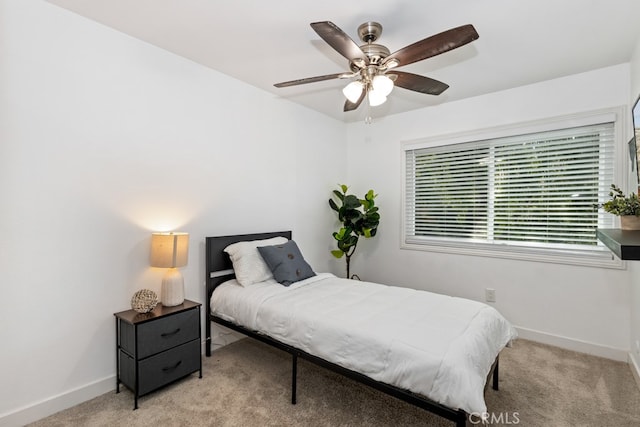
{"x":218,"y":261}
{"x":218,"y":267}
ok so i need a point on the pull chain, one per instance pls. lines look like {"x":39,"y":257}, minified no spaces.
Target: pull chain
{"x":367,"y":119}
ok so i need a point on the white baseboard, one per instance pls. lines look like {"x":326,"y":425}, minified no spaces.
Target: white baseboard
{"x":607,"y":352}
{"x":49,"y":406}
{"x":221,"y":336}
{"x":219,"y":342}
{"x":634,"y":364}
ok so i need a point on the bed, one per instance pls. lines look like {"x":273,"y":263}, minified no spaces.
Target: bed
{"x":430,"y":350}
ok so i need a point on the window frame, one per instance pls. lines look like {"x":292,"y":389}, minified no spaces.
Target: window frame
{"x":598,"y":258}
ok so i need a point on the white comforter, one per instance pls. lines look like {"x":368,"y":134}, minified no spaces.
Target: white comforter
{"x":438,"y":346}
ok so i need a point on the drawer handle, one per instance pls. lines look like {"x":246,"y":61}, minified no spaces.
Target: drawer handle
{"x":171,"y":368}
{"x":168,"y":334}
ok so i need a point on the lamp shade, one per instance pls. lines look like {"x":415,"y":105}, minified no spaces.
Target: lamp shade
{"x":169,"y":250}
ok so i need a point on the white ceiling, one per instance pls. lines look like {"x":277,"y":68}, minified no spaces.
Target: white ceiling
{"x":264,"y":42}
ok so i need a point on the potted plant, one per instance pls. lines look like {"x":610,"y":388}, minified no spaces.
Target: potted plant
{"x":358,"y":217}
{"x":626,"y":207}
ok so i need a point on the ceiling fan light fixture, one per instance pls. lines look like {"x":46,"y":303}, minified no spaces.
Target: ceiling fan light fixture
{"x":382,"y":84}
{"x":370,"y":62}
{"x":353,"y":91}
{"x":376,"y":98}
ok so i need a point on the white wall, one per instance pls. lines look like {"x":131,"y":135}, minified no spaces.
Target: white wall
{"x":583,"y":308}
{"x":634,"y":343}
{"x":104,"y":139}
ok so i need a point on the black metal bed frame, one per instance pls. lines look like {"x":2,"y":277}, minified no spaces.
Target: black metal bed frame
{"x":219,"y":270}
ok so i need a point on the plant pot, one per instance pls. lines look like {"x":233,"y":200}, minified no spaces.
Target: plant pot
{"x":630,"y":222}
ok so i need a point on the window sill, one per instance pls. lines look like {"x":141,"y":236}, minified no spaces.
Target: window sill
{"x":601,"y":259}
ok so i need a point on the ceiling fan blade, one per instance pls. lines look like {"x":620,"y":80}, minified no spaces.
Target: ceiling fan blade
{"x":340,"y":41}
{"x":419,"y":83}
{"x":311,"y":80}
{"x":434,"y":45}
{"x":350,"y":106}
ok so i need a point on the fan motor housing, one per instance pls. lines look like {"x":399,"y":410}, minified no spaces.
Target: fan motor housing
{"x":369,"y":32}
{"x":375,"y":53}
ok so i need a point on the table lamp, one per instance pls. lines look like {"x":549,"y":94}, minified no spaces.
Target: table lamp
{"x":170,"y":250}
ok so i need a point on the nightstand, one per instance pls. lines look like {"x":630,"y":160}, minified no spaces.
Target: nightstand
{"x":157,"y":348}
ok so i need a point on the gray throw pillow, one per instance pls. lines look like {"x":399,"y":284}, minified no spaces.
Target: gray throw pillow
{"x":286,"y":262}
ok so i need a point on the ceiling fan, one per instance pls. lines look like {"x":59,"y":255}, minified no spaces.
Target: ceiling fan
{"x":373,"y":67}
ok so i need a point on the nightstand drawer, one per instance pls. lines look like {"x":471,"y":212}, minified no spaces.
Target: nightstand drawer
{"x":169,"y":366}
{"x":167,"y":332}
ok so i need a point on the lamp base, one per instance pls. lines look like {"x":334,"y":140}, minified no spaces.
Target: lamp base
{"x":172,"y":288}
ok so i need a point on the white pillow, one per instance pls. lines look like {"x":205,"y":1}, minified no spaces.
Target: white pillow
{"x":248,"y":264}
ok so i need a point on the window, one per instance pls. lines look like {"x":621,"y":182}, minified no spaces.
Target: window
{"x":515,"y":196}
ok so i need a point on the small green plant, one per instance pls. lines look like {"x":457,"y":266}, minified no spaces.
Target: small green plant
{"x":620,"y":204}
{"x":358,"y":217}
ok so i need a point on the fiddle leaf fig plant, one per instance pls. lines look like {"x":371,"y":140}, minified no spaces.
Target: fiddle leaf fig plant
{"x":358,"y":217}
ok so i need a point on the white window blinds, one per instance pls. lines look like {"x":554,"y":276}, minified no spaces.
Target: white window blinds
{"x":534,"y":190}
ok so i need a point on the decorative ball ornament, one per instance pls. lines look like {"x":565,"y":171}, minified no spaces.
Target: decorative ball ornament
{"x":144,"y":301}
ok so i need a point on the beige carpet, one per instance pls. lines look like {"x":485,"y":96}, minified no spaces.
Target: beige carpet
{"x":248,"y":383}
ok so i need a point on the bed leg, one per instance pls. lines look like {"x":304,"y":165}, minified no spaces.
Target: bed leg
{"x":207,"y":343}
{"x":462,"y":419}
{"x":496,"y":373}
{"x":294,"y":374}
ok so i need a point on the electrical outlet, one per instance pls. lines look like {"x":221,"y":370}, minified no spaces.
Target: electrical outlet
{"x":490,"y":295}
{"x":638,"y":346}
